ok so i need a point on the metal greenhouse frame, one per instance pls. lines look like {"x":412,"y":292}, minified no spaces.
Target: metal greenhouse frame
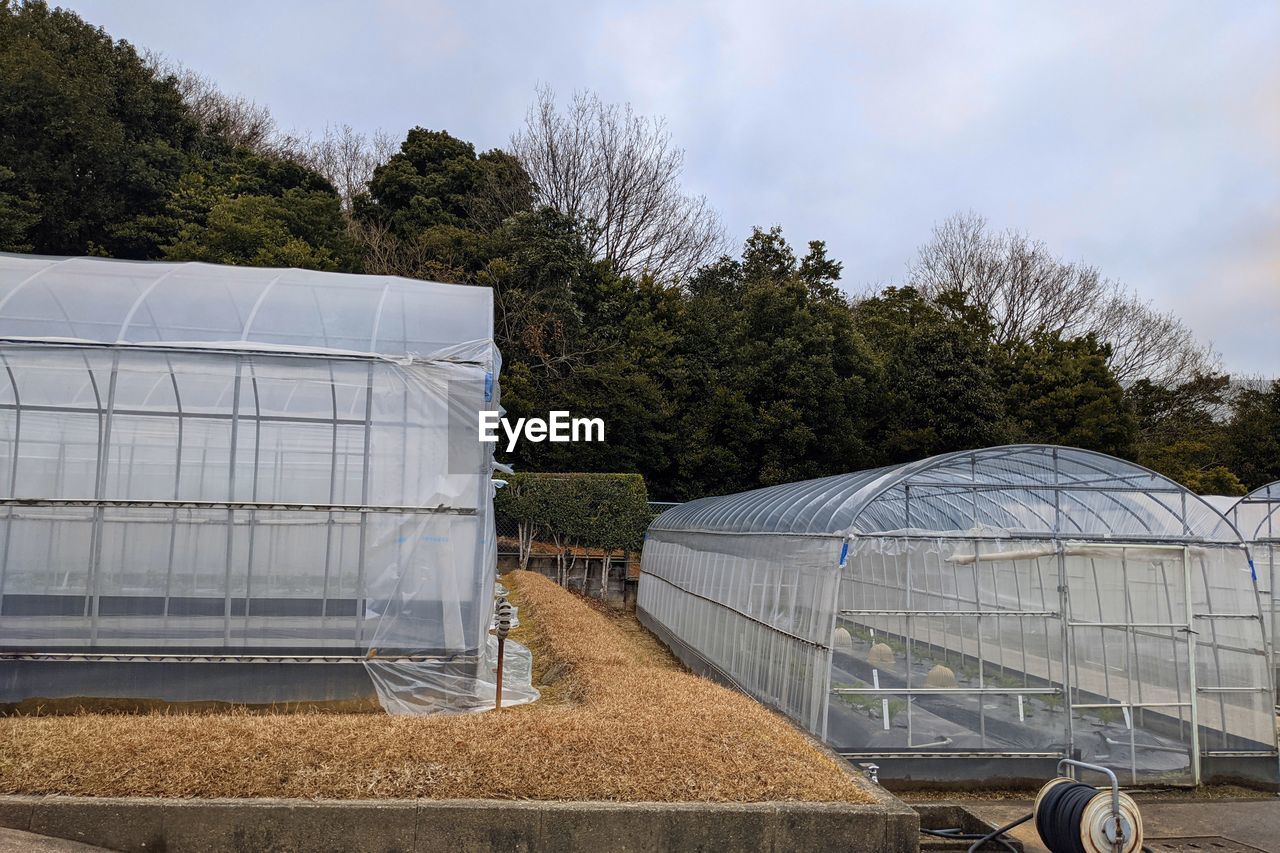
{"x":215,"y":479}
{"x":980,"y":615}
{"x":1257,"y":517}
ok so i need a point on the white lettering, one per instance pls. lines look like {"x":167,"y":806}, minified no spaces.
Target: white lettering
{"x":558,"y":427}
{"x":588,"y":425}
{"x":512,"y":433}
{"x":489,"y":427}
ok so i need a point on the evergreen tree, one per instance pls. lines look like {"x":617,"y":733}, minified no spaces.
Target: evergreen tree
{"x":1253,"y":436}
{"x":1061,"y":391}
{"x":90,"y":138}
{"x":940,"y":390}
{"x":1181,"y":433}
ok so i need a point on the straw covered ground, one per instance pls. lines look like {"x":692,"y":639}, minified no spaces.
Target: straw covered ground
{"x":620,"y":720}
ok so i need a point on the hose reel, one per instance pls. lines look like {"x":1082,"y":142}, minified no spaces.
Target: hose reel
{"x":1077,"y":817}
{"x":1074,"y":817}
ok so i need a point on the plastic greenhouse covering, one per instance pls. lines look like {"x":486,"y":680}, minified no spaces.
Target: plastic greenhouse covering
{"x":243,"y":484}
{"x":980,"y":615}
{"x":1257,"y":517}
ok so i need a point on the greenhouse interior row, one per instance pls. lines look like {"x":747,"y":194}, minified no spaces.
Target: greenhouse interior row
{"x":981,"y":615}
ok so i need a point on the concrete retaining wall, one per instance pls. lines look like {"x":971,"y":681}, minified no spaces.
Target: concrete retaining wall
{"x":407,"y":826}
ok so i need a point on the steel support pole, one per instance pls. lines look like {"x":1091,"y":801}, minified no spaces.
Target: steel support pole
{"x":1191,"y":668}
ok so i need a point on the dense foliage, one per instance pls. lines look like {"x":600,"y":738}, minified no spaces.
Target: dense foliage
{"x":754,"y":369}
{"x":608,"y":512}
{"x":100,"y":155}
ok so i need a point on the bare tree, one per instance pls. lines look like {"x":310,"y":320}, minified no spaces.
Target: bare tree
{"x":386,"y":254}
{"x":1024,"y":287}
{"x":344,"y":156}
{"x":1150,"y":344}
{"x":347,"y":158}
{"x":619,"y":173}
{"x":235,"y":118}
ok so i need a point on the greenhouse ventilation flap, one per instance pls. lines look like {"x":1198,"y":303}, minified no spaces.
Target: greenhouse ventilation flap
{"x":245,"y":485}
{"x":980,"y":615}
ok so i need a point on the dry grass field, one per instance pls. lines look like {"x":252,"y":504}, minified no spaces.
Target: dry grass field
{"x":620,"y":719}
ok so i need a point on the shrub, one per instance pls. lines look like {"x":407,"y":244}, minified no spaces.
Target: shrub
{"x":606,"y":511}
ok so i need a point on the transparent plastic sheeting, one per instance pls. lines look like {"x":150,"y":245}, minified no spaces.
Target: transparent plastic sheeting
{"x":436,"y":687}
{"x":236,"y":461}
{"x":1257,"y":517}
{"x":144,"y":302}
{"x":1140,"y":652}
{"x":400,"y":684}
{"x":999,"y":492}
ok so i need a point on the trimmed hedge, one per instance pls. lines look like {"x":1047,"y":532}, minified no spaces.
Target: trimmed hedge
{"x":607,"y":511}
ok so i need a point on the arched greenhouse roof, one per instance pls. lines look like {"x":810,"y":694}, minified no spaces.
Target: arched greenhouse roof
{"x":1029,"y":489}
{"x":1269,"y":493}
{"x":1257,"y":514}
{"x":95,"y":300}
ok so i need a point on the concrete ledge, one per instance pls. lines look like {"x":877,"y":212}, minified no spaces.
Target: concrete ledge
{"x":17,"y":841}
{"x":409,"y":826}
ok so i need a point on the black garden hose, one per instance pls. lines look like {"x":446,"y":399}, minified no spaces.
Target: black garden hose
{"x":1069,"y":818}
{"x":994,"y":834}
{"x":958,"y":834}
{"x":1059,"y":814}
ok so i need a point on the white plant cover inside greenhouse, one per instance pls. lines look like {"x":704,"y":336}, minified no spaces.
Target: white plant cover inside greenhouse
{"x":207,"y":465}
{"x":980,"y":611}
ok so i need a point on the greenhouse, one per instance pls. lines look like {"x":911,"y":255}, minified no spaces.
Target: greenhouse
{"x":980,"y":615}
{"x":246,"y":485}
{"x":1257,"y":517}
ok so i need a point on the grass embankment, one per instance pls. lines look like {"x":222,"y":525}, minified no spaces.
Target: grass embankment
{"x":619,"y":720}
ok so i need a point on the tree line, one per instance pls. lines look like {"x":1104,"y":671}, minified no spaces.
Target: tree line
{"x":617,"y":293}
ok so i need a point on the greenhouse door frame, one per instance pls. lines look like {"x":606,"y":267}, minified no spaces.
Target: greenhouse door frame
{"x":1270,"y":546}
{"x":1130,"y":630}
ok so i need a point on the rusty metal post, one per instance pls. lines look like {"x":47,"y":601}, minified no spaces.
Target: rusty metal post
{"x":497,"y":696}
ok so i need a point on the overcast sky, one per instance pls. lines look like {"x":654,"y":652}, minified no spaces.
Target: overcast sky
{"x":1143,"y":138}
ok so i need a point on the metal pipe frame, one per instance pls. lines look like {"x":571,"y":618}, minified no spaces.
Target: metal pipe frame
{"x":207,"y":658}
{"x":237,"y":505}
{"x":242,"y":508}
{"x":957,"y":691}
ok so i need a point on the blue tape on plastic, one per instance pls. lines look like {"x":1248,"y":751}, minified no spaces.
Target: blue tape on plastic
{"x":1253,"y":570}
{"x":488,"y":387}
{"x":844,"y":553}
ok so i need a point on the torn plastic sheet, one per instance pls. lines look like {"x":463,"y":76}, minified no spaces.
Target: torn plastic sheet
{"x":459,"y":686}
